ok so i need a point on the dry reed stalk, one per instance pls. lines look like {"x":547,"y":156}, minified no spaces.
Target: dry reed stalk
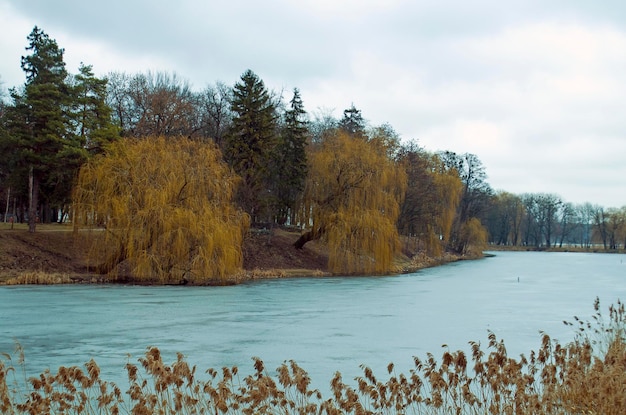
{"x":40,"y":278}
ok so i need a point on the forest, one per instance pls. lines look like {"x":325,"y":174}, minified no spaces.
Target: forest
{"x":175,"y":177}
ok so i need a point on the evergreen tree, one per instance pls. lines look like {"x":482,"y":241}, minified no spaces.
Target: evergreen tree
{"x":251,"y":142}
{"x":353,"y":122}
{"x":39,"y":125}
{"x":291,"y":160}
{"x":92,"y":122}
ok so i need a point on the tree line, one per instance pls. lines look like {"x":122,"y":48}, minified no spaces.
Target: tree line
{"x":367,"y":193}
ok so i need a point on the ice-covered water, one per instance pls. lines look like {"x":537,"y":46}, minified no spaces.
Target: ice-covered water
{"x":324,"y":324}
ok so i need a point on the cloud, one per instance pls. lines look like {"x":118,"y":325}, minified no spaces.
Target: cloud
{"x":536,"y":90}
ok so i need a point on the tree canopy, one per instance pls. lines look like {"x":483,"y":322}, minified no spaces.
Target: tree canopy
{"x":44,"y":151}
{"x":167,"y":208}
{"x":431,"y":200}
{"x":55,"y":120}
{"x":290,"y":160}
{"x":251,"y":142}
{"x":352,"y":200}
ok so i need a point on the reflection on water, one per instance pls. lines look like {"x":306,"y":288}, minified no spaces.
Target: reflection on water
{"x":324,"y":324}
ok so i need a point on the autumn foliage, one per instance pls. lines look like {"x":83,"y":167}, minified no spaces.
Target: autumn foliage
{"x":166,"y":209}
{"x":352,"y":200}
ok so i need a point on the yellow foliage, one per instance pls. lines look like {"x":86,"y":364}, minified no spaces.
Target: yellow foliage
{"x":474,"y":237}
{"x":352,"y":197}
{"x":166,"y":206}
{"x":448,"y":188}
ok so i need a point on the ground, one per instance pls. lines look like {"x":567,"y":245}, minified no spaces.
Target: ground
{"x":52,"y":254}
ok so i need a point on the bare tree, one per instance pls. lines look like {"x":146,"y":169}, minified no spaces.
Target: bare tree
{"x":214,"y":113}
{"x":152,"y":104}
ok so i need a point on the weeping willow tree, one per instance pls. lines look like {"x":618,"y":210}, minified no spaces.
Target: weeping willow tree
{"x":166,"y":209}
{"x":351,"y":201}
{"x":447,"y":192}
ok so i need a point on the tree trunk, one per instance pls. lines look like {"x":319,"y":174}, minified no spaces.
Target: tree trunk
{"x":309,"y":236}
{"x":33,"y":193}
{"x":6,"y":211}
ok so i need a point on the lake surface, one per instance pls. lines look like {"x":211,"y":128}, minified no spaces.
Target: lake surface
{"x":324,"y":324}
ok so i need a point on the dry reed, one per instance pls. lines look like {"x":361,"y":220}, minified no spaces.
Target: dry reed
{"x":586,"y":376}
{"x":40,"y":278}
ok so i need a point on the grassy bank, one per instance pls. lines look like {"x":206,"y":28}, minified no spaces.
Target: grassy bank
{"x":587,"y":376}
{"x":591,"y":249}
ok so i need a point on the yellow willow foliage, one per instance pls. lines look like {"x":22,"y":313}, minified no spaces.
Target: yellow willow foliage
{"x":352,"y":197}
{"x":474,"y":237}
{"x":166,"y":206}
{"x":448,"y":187}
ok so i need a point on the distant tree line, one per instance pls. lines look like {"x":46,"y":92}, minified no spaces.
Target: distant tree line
{"x":359,"y":187}
{"x":545,"y":220}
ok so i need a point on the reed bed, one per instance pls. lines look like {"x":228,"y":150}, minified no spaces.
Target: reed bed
{"x":40,"y":278}
{"x":586,"y":376}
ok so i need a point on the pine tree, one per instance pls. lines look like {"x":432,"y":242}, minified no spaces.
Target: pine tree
{"x":92,"y":120}
{"x":353,"y":122}
{"x":251,"y":143}
{"x":291,"y":160}
{"x":39,"y":124}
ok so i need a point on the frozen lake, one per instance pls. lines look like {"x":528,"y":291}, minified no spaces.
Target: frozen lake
{"x":324,"y":324}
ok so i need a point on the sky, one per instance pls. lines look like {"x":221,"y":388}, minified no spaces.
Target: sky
{"x":535,"y":89}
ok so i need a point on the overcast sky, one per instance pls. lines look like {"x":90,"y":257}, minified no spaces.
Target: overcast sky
{"x":535,"y":89}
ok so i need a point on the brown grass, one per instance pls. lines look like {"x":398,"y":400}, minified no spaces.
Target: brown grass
{"x":587,"y":376}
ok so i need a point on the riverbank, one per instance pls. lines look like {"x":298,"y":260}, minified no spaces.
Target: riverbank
{"x":595,"y":248}
{"x":52,"y":255}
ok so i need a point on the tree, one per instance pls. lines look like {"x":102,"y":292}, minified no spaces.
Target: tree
{"x":352,"y":200}
{"x":215,"y":113}
{"x":251,"y":142}
{"x":153,"y":104}
{"x":5,"y":187}
{"x":92,"y":121}
{"x":322,"y":125}
{"x":431,"y":199}
{"x":119,"y":100}
{"x":541,"y":218}
{"x":549,"y":205}
{"x":506,"y":212}
{"x":166,"y":206}
{"x":44,"y":151}
{"x":616,"y":225}
{"x":290,"y":159}
{"x":474,"y":237}
{"x":586,"y":213}
{"x":476,"y":191}
{"x":387,"y":138}
{"x":566,"y":222}
{"x":352,"y":122}
{"x":601,"y":224}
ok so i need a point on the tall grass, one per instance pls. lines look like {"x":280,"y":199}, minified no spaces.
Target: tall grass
{"x":586,"y":376}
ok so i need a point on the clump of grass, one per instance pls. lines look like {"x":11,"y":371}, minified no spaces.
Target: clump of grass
{"x":586,"y":376}
{"x":41,"y":278}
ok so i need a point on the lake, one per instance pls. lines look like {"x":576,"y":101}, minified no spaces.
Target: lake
{"x":325,"y":324}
